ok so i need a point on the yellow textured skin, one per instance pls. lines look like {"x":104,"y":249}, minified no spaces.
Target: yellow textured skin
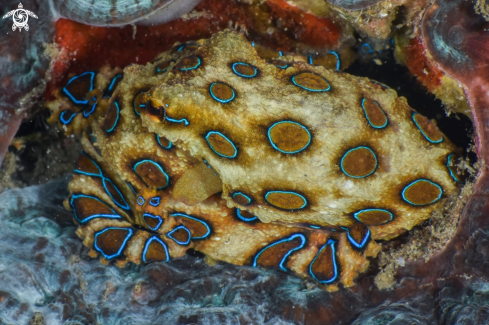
{"x":317,"y":147}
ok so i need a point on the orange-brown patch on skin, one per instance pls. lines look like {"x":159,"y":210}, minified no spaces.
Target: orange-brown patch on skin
{"x":279,"y":63}
{"x":221,"y":145}
{"x":311,"y":81}
{"x":112,"y":117}
{"x":245,"y":70}
{"x":156,"y":252}
{"x":323,"y":266}
{"x":246,"y":214}
{"x":374,"y":112}
{"x":358,"y":232}
{"x":374,"y":217}
{"x":85,"y":164}
{"x":151,"y":174}
{"x":459,"y":176}
{"x":181,"y":235}
{"x":272,"y":256}
{"x":86,"y":207}
{"x":164,"y":142}
{"x":196,"y":228}
{"x":222,"y":91}
{"x":289,"y":137}
{"x":110,"y":241}
{"x":328,"y":60}
{"x":241,"y":199}
{"x":189,"y":63}
{"x":428,"y":128}
{"x":79,"y":87}
{"x":152,"y":222}
{"x":359,"y":162}
{"x":422,"y":192}
{"x":286,"y":201}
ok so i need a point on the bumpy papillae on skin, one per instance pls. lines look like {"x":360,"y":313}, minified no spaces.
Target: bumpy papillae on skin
{"x":212,"y":148}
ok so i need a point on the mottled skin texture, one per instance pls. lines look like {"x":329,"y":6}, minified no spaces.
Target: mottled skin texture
{"x":219,"y":142}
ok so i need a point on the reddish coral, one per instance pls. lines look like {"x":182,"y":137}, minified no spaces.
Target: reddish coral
{"x":419,"y":65}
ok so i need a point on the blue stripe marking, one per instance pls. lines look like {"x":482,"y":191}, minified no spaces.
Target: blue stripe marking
{"x":241,"y":217}
{"x":65,"y":120}
{"x":288,"y":152}
{"x":420,"y":180}
{"x":87,"y":112}
{"x":157,"y":166}
{"x":183,"y":120}
{"x":335,"y":266}
{"x":309,"y":89}
{"x":360,"y":147}
{"x":245,"y":64}
{"x":148,"y":242}
{"x":108,"y":93}
{"x":287,"y":192}
{"x":368,"y":119}
{"x":155,"y":201}
{"x":356,"y":214}
{"x":159,"y":142}
{"x":226,"y":138}
{"x":224,"y":101}
{"x":314,"y":227}
{"x":449,"y":162}
{"x":281,"y":265}
{"x":66,"y":91}
{"x":132,"y":188}
{"x":194,"y":67}
{"x":152,"y":216}
{"x":338,"y":60}
{"x":177,"y":241}
{"x":195,"y":219}
{"x":246,"y":196}
{"x":116,"y":120}
{"x":354,"y":242}
{"x":104,"y":179}
{"x":109,"y":216}
{"x":129,"y":235}
{"x":309,"y":59}
{"x":422,"y":132}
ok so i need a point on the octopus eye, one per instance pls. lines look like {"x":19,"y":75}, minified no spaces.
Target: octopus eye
{"x":156,"y":113}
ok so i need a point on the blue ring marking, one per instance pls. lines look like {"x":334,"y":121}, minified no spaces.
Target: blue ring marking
{"x":224,"y":101}
{"x":116,"y":120}
{"x":360,"y":147}
{"x":109,"y":216}
{"x":422,"y":179}
{"x":226,"y":138}
{"x":132,"y":188}
{"x":122,"y":245}
{"x":314,"y":227}
{"x":104,"y":179}
{"x":282,"y":66}
{"x":455,"y":178}
{"x":367,"y":48}
{"x":368,"y":119}
{"x":182,"y":46}
{"x":66,"y":121}
{"x":107,"y":93}
{"x":241,"y":217}
{"x":169,"y":234}
{"x":246,"y":196}
{"x":159,"y":142}
{"x":243,"y":75}
{"x":87,"y":114}
{"x":66,"y":91}
{"x":158,"y":166}
{"x":338,"y":60}
{"x":288,"y":152}
{"x":355,"y":215}
{"x":140,"y":200}
{"x":155,"y":201}
{"x":183,"y":120}
{"x":287,"y":192}
{"x":314,"y":90}
{"x":422,"y":132}
{"x":281,"y":265}
{"x":195,"y":219}
{"x":194,"y":67}
{"x":335,"y":266}
{"x":354,"y":242}
{"x":148,"y":242}
{"x":160,"y":221}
